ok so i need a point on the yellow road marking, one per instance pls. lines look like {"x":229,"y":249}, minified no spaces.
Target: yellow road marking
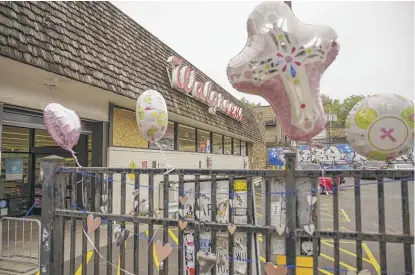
{"x":331,"y":216}
{"x":332,"y":241}
{"x":347,"y":252}
{"x":259,"y":215}
{"x":156,"y":261}
{"x":341,"y":263}
{"x":341,"y":228}
{"x":345,"y":215}
{"x":329,"y":213}
{"x":173,"y":236}
{"x":88,"y":257}
{"x":79,"y":270}
{"x":372,"y":258}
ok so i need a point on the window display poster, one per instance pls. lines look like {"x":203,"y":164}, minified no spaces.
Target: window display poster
{"x":14,"y":169}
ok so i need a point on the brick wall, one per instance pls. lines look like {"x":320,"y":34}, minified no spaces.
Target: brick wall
{"x":258,"y":151}
{"x":273,"y":134}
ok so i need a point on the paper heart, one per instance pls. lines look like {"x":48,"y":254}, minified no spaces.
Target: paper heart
{"x":206,"y":261}
{"x":362,"y":272}
{"x":231,"y":228}
{"x":283,"y":61}
{"x":309,"y":229}
{"x":92,"y":224}
{"x":162,"y":251}
{"x":104,"y":198}
{"x":135,"y":193}
{"x":311,"y":200}
{"x":182,"y":224}
{"x":103,"y":209}
{"x":271,"y":269}
{"x":280,"y":228}
{"x":182,"y":199}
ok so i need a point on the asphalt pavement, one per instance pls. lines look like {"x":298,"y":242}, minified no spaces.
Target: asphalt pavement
{"x":326,"y":261}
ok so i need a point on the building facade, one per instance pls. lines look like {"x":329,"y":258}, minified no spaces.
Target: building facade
{"x":92,"y":58}
{"x":273,"y":134}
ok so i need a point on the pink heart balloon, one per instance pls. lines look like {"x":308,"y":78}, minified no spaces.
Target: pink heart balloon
{"x":283,"y":62}
{"x":63,"y":125}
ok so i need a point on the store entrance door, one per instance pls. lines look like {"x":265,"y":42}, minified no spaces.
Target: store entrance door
{"x":39,"y":153}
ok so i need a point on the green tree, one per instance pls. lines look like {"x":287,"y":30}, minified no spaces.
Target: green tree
{"x":347,"y":106}
{"x":341,"y":109}
{"x":331,"y":106}
{"x":250,"y":104}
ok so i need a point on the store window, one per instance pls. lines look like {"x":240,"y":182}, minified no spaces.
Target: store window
{"x":15,"y":187}
{"x":167,"y":142}
{"x":227,"y":146}
{"x":236,"y":147}
{"x":15,"y":175}
{"x":243,"y":148}
{"x":187,"y":138}
{"x":125,"y":132}
{"x":43,"y":139}
{"x":217,"y":144}
{"x":203,"y":140}
{"x":15,"y":139}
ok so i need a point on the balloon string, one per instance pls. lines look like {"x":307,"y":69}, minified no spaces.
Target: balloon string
{"x":75,"y":158}
{"x":169,"y":168}
{"x":99,"y":254}
{"x":82,"y":180}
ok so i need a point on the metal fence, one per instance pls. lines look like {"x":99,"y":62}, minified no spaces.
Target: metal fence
{"x":292,"y":186}
{"x":19,"y":245}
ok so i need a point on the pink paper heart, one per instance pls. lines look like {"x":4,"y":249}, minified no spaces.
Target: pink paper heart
{"x":92,"y":224}
{"x":182,"y":224}
{"x":271,"y":269}
{"x":162,"y":252}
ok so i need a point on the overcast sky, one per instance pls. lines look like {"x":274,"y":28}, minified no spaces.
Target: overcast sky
{"x":376,"y":40}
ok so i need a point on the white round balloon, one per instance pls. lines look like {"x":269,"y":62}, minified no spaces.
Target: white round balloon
{"x":151,"y":115}
{"x":381,"y":127}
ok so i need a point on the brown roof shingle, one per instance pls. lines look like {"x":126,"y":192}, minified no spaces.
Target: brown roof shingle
{"x":95,"y":43}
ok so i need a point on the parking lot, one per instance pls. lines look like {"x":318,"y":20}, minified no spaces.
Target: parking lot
{"x":326,"y":260}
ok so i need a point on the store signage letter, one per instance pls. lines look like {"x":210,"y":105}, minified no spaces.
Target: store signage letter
{"x":184,"y":79}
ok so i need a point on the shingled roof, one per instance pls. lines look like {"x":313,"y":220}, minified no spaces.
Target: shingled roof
{"x":95,"y":43}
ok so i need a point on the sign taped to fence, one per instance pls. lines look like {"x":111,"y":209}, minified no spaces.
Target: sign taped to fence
{"x":278,"y":217}
{"x":240,"y":205}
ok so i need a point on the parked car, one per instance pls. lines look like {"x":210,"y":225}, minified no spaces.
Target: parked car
{"x":400,"y":166}
{"x":325,"y":183}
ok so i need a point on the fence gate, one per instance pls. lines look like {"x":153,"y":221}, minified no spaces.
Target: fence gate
{"x":217,"y":228}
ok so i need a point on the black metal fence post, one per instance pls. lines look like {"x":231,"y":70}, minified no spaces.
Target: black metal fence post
{"x":291,"y":205}
{"x":53,"y":197}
